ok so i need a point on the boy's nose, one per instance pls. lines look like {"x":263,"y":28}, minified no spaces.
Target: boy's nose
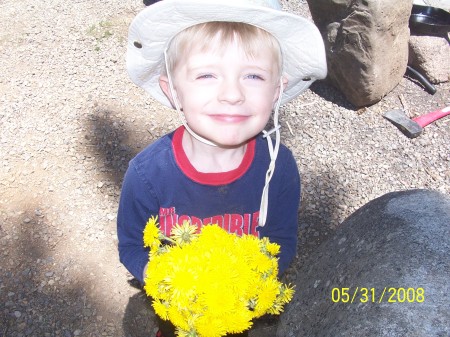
{"x":231,"y":92}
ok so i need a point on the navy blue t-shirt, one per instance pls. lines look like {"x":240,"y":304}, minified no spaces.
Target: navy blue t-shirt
{"x":160,"y":181}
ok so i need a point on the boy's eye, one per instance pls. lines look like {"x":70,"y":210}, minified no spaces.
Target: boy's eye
{"x":255,"y":77}
{"x":205,"y":76}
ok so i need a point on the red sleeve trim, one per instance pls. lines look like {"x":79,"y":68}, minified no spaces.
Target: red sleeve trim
{"x":215,"y":179}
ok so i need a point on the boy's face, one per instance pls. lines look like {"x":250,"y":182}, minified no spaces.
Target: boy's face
{"x":227,"y":97}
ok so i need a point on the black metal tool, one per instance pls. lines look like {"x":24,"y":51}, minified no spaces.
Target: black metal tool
{"x":422,"y":79}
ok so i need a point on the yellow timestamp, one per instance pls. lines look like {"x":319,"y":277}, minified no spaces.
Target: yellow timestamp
{"x":373,"y":295}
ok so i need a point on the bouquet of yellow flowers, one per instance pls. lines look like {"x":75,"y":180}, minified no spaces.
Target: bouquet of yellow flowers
{"x":212,"y":283}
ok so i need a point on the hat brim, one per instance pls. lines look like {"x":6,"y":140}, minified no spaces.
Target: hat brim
{"x":153,"y":28}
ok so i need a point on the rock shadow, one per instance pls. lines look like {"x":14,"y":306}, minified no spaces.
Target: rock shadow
{"x":331,"y":94}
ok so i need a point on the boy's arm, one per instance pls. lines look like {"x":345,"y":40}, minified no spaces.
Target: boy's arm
{"x":282,"y":223}
{"x":137,"y":204}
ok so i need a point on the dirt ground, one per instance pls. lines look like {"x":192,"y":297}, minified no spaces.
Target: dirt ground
{"x":70,"y":121}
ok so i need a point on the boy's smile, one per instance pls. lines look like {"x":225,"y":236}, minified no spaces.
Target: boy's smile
{"x":227,"y":97}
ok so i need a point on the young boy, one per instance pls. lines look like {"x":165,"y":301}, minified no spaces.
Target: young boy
{"x":224,"y":66}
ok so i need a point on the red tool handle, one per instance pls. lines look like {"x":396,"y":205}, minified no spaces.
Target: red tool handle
{"x":430,"y":117}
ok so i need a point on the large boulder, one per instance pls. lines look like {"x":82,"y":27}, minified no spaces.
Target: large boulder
{"x":366,"y":43}
{"x":399,"y":245}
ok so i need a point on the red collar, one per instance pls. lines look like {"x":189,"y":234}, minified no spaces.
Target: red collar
{"x":220,"y":178}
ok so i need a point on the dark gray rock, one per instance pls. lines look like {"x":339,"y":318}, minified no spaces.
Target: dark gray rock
{"x":400,"y":240}
{"x":366,"y":43}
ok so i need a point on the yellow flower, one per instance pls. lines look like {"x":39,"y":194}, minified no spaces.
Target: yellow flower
{"x":184,"y":233}
{"x":161,"y":309}
{"x":286,"y":293}
{"x":152,"y":234}
{"x":178,"y":317}
{"x":181,"y":332}
{"x":240,"y":321}
{"x":210,"y":326}
{"x":269,"y":290}
{"x":183,"y":282}
{"x":272,"y":248}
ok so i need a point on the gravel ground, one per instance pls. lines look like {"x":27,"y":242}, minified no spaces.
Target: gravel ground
{"x":71,"y":120}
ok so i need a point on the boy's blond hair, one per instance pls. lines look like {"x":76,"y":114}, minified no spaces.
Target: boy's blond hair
{"x":218,"y":35}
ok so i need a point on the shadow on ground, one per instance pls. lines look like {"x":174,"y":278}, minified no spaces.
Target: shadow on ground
{"x":108,"y":140}
{"x":329,"y":93}
{"x":32,"y":278}
{"x":139,"y":319}
{"x":317,"y":217}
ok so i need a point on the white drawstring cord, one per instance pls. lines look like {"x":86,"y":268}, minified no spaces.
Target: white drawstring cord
{"x":273,"y":152}
{"x":177,"y":106}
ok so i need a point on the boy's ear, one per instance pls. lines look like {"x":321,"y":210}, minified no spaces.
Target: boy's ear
{"x":165,"y":87}
{"x":284,"y":81}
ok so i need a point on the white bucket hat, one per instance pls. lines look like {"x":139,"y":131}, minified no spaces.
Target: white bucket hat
{"x":154,"y":27}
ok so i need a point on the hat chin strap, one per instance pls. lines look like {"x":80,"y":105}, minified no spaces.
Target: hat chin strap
{"x":273,"y":150}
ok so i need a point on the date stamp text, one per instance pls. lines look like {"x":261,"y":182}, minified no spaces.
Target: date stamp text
{"x":375,"y":295}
